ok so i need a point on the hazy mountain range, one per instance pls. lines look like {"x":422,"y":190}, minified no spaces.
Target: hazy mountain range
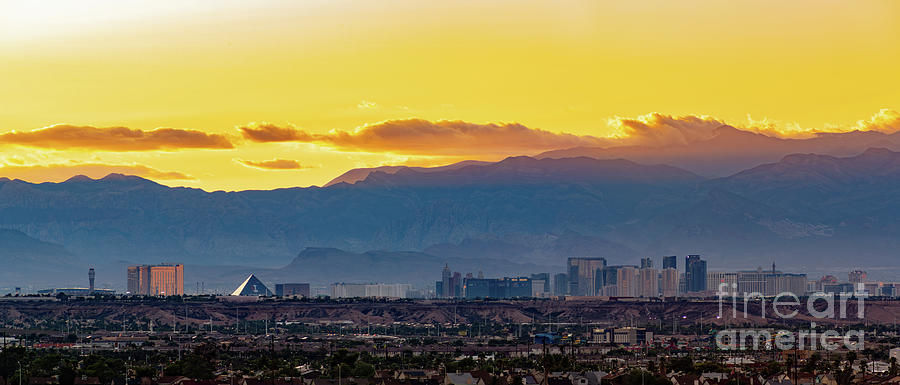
{"x":522,"y":214}
{"x":728,"y":150}
{"x":712,"y":153}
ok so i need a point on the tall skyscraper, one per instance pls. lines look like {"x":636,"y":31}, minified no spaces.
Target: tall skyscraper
{"x":627,"y":282}
{"x":857,"y":276}
{"x":669,"y":282}
{"x":583,"y":275}
{"x":446,"y":288}
{"x":649,"y":282}
{"x":91,"y":276}
{"x":456,"y":284}
{"x":541,"y":279}
{"x":646,"y":263}
{"x":166,"y":279}
{"x":607,"y":279}
{"x":694,"y":273}
{"x":670,"y":262}
{"x":561,"y":284}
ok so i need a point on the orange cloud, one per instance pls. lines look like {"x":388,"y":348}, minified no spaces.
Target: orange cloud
{"x":657,"y":129}
{"x":61,"y":172}
{"x":274,"y":164}
{"x":885,"y":120}
{"x":423,"y":137}
{"x":265,"y":132}
{"x":64,"y":136}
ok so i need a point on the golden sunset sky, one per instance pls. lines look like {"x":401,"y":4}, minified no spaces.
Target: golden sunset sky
{"x":261,"y":94}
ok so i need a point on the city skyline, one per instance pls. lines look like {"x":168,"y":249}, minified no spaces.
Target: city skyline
{"x":136,"y":284}
{"x":625,"y":282}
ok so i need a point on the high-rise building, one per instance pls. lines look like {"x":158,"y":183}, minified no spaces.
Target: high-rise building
{"x":669,"y":282}
{"x":607,"y":279}
{"x":348,"y":290}
{"x":714,"y":280}
{"x":649,"y":282}
{"x":858,"y":276}
{"x":537,"y":288}
{"x":646,"y":263}
{"x":292,"y":289}
{"x":627,"y":282}
{"x":542,"y":280}
{"x":695,"y":273}
{"x":751,"y":281}
{"x":872,"y":288}
{"x":583,"y":275}
{"x":670,"y":262}
{"x":388,"y":290}
{"x":785,"y":283}
{"x":165,"y":279}
{"x":91,"y":276}
{"x":138,"y":280}
{"x":456,"y":285}
{"x":825,"y":280}
{"x":560,"y":284}
{"x":518,"y":287}
{"x":446,"y":289}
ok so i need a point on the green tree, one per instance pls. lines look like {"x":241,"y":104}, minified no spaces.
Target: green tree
{"x":67,"y":373}
{"x":812,"y":364}
{"x":895,"y":370}
{"x":708,"y":367}
{"x":9,"y":361}
{"x":45,"y":365}
{"x":192,"y":366}
{"x":640,"y":376}
{"x":844,"y":376}
{"x":681,"y":364}
{"x":364,"y":369}
{"x":106,"y":369}
{"x":145,"y":371}
{"x":772,"y":368}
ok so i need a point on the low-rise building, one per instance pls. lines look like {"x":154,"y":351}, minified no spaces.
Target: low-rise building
{"x":623,"y":336}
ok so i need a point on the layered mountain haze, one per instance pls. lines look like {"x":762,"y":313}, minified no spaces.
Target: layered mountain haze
{"x":803,"y":211}
{"x":728,"y":150}
{"x":42,"y":262}
{"x":359,"y":174}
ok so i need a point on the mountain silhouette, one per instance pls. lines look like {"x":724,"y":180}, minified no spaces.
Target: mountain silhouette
{"x":804,"y":210}
{"x":730,"y":150}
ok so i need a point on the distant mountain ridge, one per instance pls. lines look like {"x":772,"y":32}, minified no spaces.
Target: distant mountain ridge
{"x":42,"y":262}
{"x":527,"y":170}
{"x":802,"y":210}
{"x":359,"y":174}
{"x":730,"y":150}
